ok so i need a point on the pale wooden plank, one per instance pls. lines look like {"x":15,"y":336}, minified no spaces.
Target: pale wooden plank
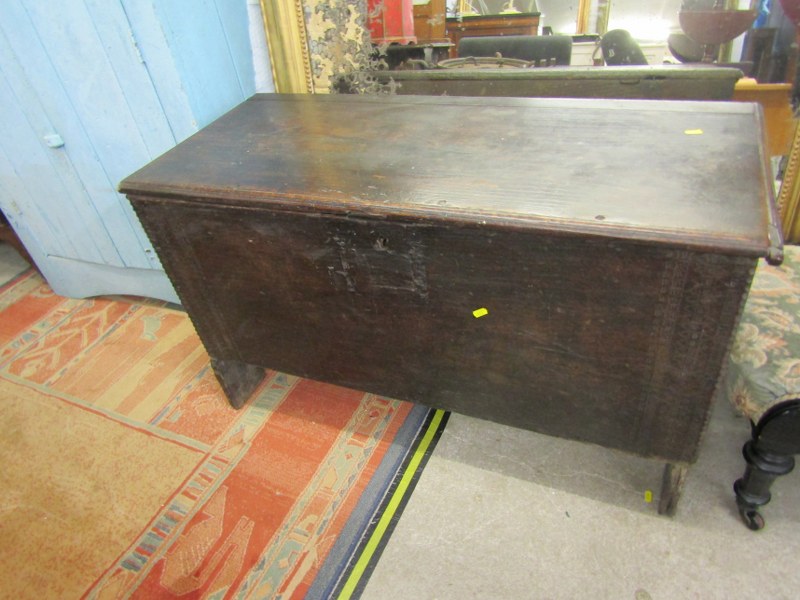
{"x":52,"y":192}
{"x":137,"y":89}
{"x":80,"y":73}
{"x":131,"y":76}
{"x":39,"y":89}
{"x":110,"y":134}
{"x":234,"y":21}
{"x":80,"y":279}
{"x":16,"y":185}
{"x":152,"y":43}
{"x":202,"y":57}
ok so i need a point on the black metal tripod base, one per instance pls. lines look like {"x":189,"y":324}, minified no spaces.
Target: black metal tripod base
{"x":752,"y":490}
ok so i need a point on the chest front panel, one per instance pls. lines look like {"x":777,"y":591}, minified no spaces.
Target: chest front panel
{"x":613,"y":342}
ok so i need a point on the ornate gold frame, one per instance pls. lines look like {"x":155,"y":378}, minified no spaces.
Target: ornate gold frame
{"x":287,"y":40}
{"x":584,"y":8}
{"x":789,"y":196}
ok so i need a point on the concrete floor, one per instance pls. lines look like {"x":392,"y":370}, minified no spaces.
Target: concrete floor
{"x":505,"y":513}
{"x":11,"y":263}
{"x":501,"y":513}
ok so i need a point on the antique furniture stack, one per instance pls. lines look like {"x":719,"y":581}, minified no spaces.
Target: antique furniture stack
{"x":481,"y":25}
{"x":574,"y":267}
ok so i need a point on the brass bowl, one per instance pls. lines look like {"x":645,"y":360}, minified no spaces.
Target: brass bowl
{"x":684,"y":48}
{"x":715,"y":26}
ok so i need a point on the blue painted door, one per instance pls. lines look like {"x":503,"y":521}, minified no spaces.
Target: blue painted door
{"x":90,"y":91}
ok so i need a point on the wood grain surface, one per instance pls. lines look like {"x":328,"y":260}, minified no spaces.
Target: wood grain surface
{"x":610,"y":167}
{"x":571,"y":267}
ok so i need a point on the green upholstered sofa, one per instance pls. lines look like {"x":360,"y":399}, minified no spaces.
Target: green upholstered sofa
{"x":763,"y":381}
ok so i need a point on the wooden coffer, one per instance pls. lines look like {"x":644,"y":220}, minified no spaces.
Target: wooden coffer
{"x":352,"y":239}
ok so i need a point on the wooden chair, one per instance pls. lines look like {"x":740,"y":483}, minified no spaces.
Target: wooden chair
{"x":763,"y":381}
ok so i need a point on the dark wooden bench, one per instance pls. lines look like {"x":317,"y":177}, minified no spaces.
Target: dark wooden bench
{"x":664,"y":82}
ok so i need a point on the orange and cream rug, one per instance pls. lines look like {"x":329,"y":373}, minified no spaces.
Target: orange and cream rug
{"x":126,"y":474}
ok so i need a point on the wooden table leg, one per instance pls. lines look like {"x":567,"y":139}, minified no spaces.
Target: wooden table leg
{"x":238,"y":379}
{"x":671,"y":488}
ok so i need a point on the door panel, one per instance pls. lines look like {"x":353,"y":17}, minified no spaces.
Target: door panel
{"x":53,"y":192}
{"x":90,"y":93}
{"x":81,"y":95}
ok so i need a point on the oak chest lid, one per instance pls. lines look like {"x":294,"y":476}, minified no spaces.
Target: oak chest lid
{"x":689,"y":173}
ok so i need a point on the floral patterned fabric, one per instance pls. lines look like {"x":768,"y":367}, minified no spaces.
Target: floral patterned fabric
{"x":764,"y":363}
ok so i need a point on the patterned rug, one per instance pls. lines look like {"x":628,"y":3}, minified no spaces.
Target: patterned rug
{"x":126,"y":473}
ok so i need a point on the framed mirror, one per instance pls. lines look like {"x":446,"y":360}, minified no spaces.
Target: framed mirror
{"x":496,"y":7}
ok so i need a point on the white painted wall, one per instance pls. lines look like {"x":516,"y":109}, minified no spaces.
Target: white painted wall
{"x":258,"y":40}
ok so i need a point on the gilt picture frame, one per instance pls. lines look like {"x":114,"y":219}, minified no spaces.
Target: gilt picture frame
{"x":284,"y":23}
{"x":789,"y":195}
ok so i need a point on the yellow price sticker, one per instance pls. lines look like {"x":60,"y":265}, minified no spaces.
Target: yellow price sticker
{"x":693,"y":132}
{"x":479,"y":312}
